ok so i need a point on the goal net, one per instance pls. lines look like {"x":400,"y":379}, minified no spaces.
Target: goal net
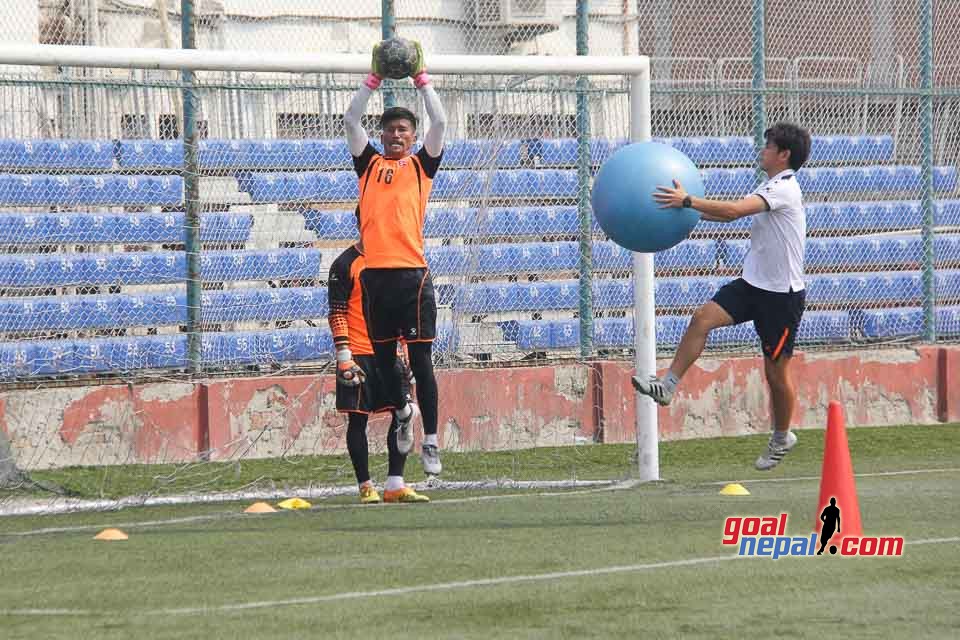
{"x":163,"y":294}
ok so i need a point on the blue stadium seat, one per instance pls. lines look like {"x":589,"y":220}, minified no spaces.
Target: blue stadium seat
{"x":330,"y":154}
{"x":30,"y":359}
{"x":533,"y":335}
{"x":685,"y":292}
{"x":609,"y":256}
{"x":714,"y":150}
{"x":477,"y":154}
{"x":56,"y":154}
{"x":540,"y":296}
{"x":565,"y":334}
{"x":740,"y":225}
{"x":474,"y":298}
{"x":226,"y":154}
{"x":130,"y":354}
{"x":84,"y":190}
{"x":276,"y":264}
{"x":461,"y":183}
{"x":448,"y":260}
{"x":560,"y":152}
{"x":27,"y":359}
{"x":150,"y":154}
{"x":689,"y":254}
{"x":947,"y":212}
{"x":154,"y":267}
{"x":737,"y":335}
{"x":858,"y":252}
{"x":237,"y":154}
{"x":466,"y":154}
{"x":851,"y":148}
{"x":890,"y":323}
{"x":291,"y":187}
{"x":159,"y":308}
{"x":612,"y":294}
{"x":824,"y":326}
{"x":269,"y":347}
{"x":669,"y":329}
{"x":728,"y":181}
{"x":533,"y":221}
{"x":451,"y":223}
{"x":814,"y":180}
{"x":493,"y":258}
{"x":613,"y":332}
{"x":288,"y":303}
{"x":331,"y":225}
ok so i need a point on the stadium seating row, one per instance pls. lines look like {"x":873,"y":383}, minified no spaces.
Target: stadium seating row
{"x":108,"y":228}
{"x":154,"y":267}
{"x":159,"y":309}
{"x":32,"y":190}
{"x":337,"y":186}
{"x":857,"y":289}
{"x":319,"y":153}
{"x":158,"y":267}
{"x":83,"y":356}
{"x":26,"y":359}
{"x":817,"y":327}
{"x":108,"y":311}
{"x":452,"y":222}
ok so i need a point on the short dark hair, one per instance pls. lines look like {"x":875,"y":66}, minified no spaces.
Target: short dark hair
{"x":790,"y":137}
{"x":397,"y":113}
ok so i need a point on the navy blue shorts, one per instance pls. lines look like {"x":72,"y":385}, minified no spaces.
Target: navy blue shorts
{"x":776,"y":316}
{"x":368,"y":397}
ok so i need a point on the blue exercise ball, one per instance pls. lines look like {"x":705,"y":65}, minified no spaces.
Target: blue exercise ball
{"x":623,"y":196}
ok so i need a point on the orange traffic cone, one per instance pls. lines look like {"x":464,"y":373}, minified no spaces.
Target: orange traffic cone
{"x":836,"y":477}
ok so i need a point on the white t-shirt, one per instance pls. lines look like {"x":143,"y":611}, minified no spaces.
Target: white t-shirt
{"x":777,"y":237}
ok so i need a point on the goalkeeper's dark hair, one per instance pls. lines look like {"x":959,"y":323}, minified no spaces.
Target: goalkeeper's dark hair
{"x":790,"y":137}
{"x":397,"y":113}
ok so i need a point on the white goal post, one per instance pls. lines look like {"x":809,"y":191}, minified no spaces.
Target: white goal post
{"x":636,"y":68}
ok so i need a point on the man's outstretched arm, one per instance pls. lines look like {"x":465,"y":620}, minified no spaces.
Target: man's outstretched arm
{"x":433,"y":140}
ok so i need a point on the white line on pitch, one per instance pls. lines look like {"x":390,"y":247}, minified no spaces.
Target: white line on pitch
{"x":441,"y":586}
{"x":325,"y":507}
{"x":573,"y":492}
{"x":875,"y":474}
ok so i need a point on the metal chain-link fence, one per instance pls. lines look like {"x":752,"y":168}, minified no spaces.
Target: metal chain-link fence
{"x":91,"y":177}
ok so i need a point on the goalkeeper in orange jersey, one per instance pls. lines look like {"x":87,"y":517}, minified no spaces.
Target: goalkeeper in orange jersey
{"x":360,"y":388}
{"x":398,"y":289}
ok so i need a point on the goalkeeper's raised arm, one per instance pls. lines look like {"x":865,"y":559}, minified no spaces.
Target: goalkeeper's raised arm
{"x":433,"y":140}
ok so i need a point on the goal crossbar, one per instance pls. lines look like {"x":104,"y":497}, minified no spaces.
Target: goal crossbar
{"x":235,"y":60}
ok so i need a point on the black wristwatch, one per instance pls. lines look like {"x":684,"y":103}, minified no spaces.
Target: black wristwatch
{"x":687,"y":202}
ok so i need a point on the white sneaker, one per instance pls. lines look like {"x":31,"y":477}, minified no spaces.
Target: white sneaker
{"x":430,"y":457}
{"x":774,"y":453}
{"x":405,"y":430}
{"x":653,"y":387}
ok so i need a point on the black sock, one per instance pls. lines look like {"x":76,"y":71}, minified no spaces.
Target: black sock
{"x":395,"y":459}
{"x":357,"y":445}
{"x":421,"y":362}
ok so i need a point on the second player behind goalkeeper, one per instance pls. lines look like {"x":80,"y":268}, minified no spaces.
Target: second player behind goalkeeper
{"x":360,"y":389}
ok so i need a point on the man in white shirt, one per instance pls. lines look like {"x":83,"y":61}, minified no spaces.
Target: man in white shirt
{"x":770,"y":291}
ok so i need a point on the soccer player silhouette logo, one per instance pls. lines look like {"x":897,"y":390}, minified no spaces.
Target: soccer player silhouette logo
{"x":831,"y":523}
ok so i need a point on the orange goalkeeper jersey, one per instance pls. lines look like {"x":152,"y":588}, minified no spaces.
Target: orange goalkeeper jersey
{"x":393,"y":204}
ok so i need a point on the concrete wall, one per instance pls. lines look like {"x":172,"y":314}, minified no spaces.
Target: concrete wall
{"x":480,"y":408}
